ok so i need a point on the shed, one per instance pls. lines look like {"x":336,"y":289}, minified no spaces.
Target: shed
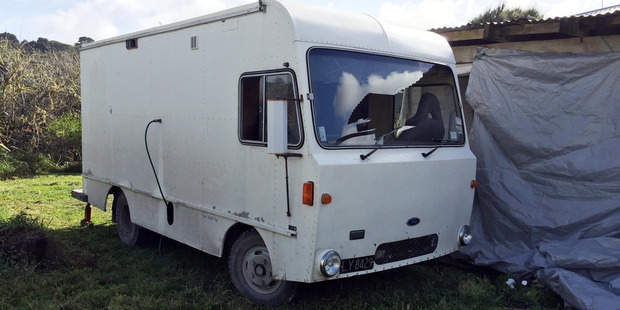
{"x":594,"y":31}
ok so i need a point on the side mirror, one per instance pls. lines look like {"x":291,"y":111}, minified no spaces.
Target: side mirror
{"x":277,"y":127}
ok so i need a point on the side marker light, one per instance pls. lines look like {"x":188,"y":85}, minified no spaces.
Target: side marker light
{"x":326,"y":199}
{"x":308,"y":193}
{"x":473,"y":184}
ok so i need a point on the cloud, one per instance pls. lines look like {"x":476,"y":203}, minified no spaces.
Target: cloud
{"x":67,"y":20}
{"x":563,"y":8}
{"x":428,"y":14}
{"x":350,"y":91}
{"x":101,"y":19}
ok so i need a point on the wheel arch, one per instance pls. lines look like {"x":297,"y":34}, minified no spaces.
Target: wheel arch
{"x":231,"y":235}
{"x":251,"y":270}
{"x":114,"y":191}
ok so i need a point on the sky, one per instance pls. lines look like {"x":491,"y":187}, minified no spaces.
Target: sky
{"x":67,"y":20}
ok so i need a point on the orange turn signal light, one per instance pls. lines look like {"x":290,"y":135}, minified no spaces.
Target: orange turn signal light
{"x":326,"y":199}
{"x":308,"y":193}
{"x":473,"y":184}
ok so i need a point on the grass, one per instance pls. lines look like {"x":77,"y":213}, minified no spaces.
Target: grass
{"x":89,"y":268}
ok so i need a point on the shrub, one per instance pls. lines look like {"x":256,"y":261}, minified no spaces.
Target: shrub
{"x":39,"y":110}
{"x":63,"y":140}
{"x":11,"y":166}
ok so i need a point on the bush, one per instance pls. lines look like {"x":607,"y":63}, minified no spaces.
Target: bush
{"x":63,"y":140}
{"x":40,"y":129}
{"x":28,"y":164}
{"x":11,"y":166}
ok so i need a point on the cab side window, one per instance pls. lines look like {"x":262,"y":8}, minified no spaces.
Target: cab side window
{"x":255,"y":90}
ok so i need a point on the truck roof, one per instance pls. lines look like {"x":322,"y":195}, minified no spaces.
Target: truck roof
{"x":325,"y":27}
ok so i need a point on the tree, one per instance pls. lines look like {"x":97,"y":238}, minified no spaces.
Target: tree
{"x":10,"y":38}
{"x":83,"y":40}
{"x":42,"y":44}
{"x":501,"y":13}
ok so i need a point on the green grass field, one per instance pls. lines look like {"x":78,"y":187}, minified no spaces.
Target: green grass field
{"x":89,"y":268}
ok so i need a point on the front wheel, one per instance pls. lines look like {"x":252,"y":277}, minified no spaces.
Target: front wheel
{"x":250,"y":269}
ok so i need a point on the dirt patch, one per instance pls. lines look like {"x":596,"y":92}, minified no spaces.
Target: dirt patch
{"x":27,"y":242}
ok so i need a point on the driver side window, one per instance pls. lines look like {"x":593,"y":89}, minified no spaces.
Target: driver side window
{"x":254,"y":91}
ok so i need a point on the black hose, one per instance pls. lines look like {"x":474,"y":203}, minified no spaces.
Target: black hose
{"x":146,"y":144}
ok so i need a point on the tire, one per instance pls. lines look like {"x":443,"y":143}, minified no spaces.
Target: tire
{"x":130,"y":233}
{"x":250,"y":269}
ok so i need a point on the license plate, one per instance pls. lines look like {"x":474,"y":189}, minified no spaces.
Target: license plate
{"x":357,"y":264}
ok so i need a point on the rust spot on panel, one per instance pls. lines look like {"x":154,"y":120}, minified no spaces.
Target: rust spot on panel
{"x":244,"y":214}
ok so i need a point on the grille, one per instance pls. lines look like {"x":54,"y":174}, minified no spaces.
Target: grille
{"x":405,"y":249}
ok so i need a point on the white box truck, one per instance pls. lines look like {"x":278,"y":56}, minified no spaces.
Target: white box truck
{"x":300,"y":144}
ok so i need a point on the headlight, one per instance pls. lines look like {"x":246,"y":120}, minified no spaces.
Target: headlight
{"x":465,"y":235}
{"x":330,"y":263}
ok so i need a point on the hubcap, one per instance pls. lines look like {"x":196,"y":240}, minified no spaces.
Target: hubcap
{"x":257,"y":270}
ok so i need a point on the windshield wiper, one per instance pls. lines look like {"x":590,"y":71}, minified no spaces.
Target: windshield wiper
{"x":427,"y":154}
{"x":399,"y":129}
{"x":363,"y":157}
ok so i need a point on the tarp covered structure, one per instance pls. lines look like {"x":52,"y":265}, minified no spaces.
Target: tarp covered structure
{"x":546,"y":133}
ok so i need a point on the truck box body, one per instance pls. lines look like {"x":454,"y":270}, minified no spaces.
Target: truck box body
{"x":389,"y":208}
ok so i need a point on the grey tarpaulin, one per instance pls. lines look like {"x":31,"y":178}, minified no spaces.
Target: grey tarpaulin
{"x":546,"y":133}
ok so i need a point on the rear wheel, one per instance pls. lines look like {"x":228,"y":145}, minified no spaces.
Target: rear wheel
{"x":130,"y":233}
{"x":251,"y":272}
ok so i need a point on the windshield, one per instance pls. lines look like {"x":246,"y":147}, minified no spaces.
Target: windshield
{"x":363,"y":100}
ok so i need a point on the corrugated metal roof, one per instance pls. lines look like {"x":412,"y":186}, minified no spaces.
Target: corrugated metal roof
{"x":604,"y":12}
{"x":588,"y":24}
